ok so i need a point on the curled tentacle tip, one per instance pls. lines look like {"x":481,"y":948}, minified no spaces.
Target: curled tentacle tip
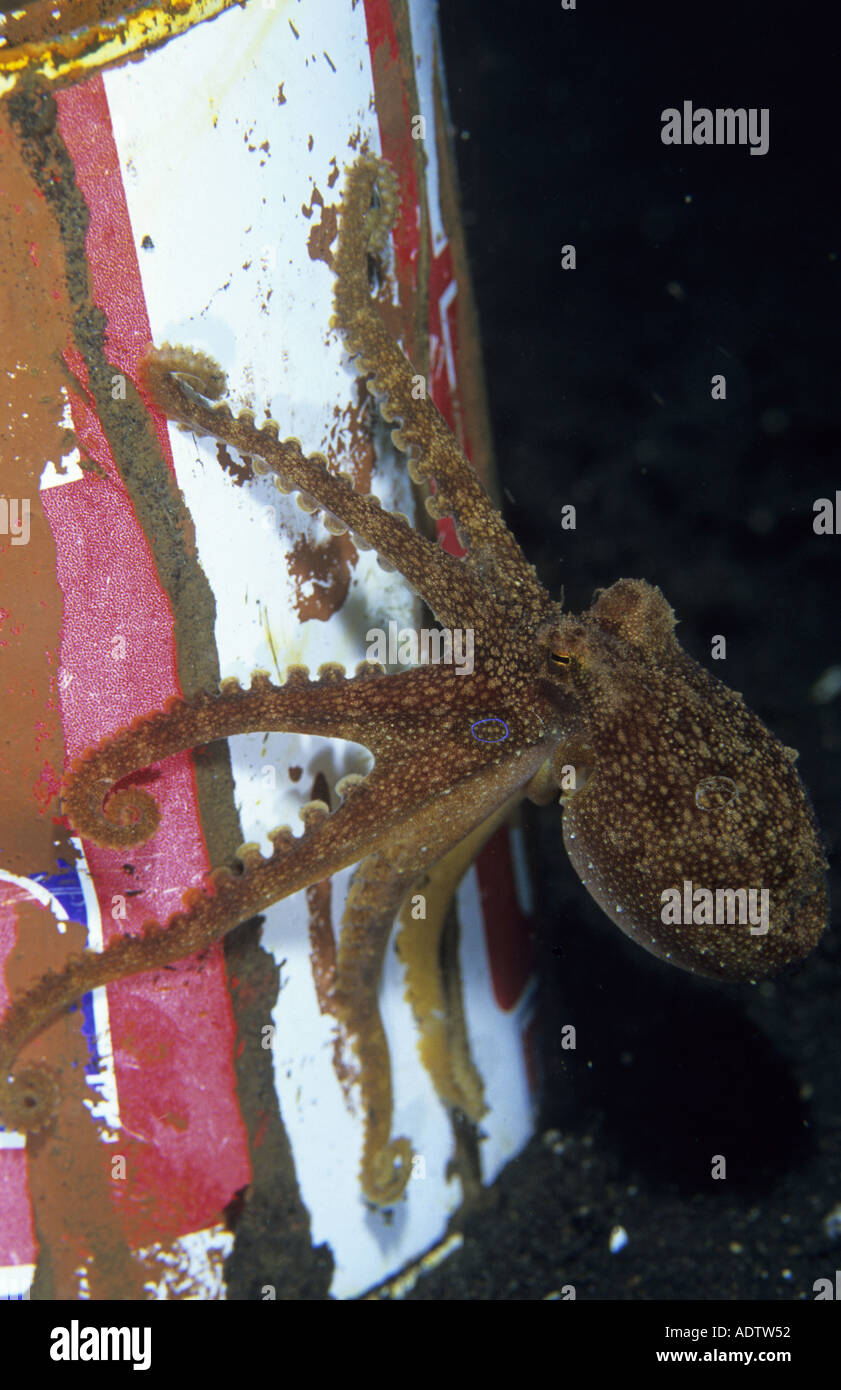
{"x":30,"y":1099}
{"x":135,"y":812}
{"x":129,"y":817}
{"x":385,"y":1174}
{"x":200,"y":372}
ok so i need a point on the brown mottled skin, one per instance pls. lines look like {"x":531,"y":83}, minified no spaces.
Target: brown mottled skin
{"x":685,"y":784}
{"x":674,"y":778}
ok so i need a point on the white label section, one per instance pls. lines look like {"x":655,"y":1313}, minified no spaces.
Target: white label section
{"x":223,"y":172}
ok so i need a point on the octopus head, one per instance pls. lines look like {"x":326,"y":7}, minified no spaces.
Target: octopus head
{"x":684,"y":816}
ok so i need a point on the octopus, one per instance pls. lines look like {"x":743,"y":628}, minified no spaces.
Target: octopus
{"x":667,"y":780}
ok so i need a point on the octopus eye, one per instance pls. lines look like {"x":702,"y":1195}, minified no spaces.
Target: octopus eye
{"x":562,"y":659}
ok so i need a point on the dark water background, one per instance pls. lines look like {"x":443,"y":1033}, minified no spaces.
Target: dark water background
{"x":599,"y":384}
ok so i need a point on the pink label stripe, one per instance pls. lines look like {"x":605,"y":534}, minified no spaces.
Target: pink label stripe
{"x":172,"y":1033}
